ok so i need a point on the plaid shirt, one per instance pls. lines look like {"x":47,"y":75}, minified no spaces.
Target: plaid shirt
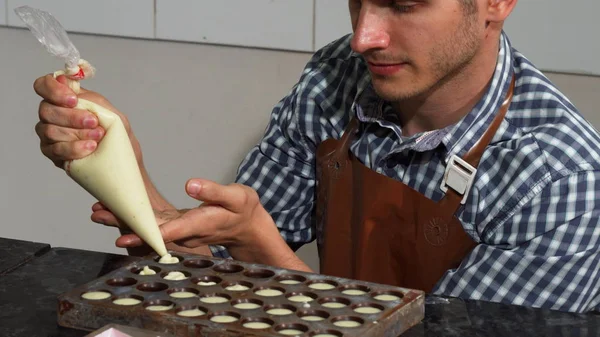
{"x":533,"y":208}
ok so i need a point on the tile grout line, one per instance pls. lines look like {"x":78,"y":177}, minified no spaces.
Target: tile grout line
{"x":154,"y":20}
{"x":314,"y":26}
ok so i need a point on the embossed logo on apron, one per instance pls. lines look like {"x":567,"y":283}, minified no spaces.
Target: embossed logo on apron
{"x":436,"y":232}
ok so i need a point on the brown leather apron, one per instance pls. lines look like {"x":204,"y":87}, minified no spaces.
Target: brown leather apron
{"x":373,"y":228}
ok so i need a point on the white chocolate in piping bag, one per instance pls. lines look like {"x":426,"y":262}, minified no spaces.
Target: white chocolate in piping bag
{"x":111,"y":173}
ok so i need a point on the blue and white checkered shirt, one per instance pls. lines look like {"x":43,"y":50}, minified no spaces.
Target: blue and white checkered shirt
{"x":534,"y":207}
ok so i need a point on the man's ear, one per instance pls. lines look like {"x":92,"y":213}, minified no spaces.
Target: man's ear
{"x":499,"y":10}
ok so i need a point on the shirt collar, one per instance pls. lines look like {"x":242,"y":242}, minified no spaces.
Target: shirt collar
{"x":457,"y":138}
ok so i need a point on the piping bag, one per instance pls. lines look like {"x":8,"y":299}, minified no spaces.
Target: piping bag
{"x":111,"y":173}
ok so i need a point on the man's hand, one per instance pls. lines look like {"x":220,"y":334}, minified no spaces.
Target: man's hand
{"x":231,"y":216}
{"x":67,"y":133}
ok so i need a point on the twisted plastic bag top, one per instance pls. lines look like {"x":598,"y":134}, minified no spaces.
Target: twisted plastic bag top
{"x":50,"y":33}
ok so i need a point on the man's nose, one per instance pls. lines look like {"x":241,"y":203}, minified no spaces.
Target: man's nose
{"x":369,"y":32}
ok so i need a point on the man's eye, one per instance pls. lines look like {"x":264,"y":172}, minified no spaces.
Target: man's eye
{"x":402,"y":8}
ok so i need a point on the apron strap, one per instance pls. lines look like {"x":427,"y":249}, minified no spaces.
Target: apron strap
{"x":474,"y":155}
{"x":452,"y":199}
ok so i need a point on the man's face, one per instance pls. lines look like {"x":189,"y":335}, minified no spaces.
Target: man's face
{"x":413,"y":45}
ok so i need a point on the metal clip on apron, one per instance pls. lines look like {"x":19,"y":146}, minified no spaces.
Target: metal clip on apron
{"x":373,"y":228}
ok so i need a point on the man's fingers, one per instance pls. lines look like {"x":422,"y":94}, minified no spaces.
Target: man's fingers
{"x":105,"y":217}
{"x":49,"y":133}
{"x":128,"y":241}
{"x":54,"y":91}
{"x":199,"y":223}
{"x":69,"y":150}
{"x":234,"y":197}
{"x":68,"y":117}
{"x":98,"y":206}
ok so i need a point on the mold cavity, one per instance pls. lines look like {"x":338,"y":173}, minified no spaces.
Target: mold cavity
{"x":206,"y":281}
{"x":129,"y":300}
{"x":326,"y":333}
{"x":215,"y":298}
{"x":291,"y":329}
{"x":192,"y":311}
{"x":259,"y":273}
{"x":145,"y":270}
{"x":121,"y":282}
{"x":323,"y":285}
{"x":257,"y":323}
{"x":159,"y":305}
{"x":313,"y":315}
{"x":154,"y":286}
{"x":183,"y":292}
{"x":388,"y":296}
{"x":247,"y":304}
{"x":290,"y":279}
{"x":173,"y":260}
{"x":269,"y":291}
{"x":225,"y":317}
{"x":367,"y":308}
{"x":237,"y":286}
{"x":198,"y":264}
{"x":280,"y":309}
{"x":301,"y":297}
{"x":96,"y":295}
{"x":354,"y":290}
{"x":175,"y":275}
{"x":334,"y":302}
{"x":347,"y":322}
{"x":228,"y":268}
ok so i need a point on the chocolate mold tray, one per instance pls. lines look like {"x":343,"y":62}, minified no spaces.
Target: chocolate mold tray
{"x":224,"y":297}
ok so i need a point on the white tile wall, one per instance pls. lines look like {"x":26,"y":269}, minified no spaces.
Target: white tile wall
{"x":132,"y":18}
{"x":281,"y":24}
{"x":3,"y":12}
{"x":332,"y":21}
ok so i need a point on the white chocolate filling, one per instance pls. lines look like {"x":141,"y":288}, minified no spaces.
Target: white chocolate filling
{"x":237,"y":287}
{"x":300,"y":298}
{"x":127,"y":301}
{"x":168,"y":259}
{"x":347,"y":324}
{"x":159,"y":307}
{"x":246,"y":306}
{"x":386,"y":297}
{"x":353,"y":292}
{"x":289,"y":282}
{"x":269,"y":292}
{"x":290,"y":332}
{"x":191,"y":313}
{"x":206,"y":283}
{"x":175,"y":276}
{"x":214,"y":299}
{"x":223,"y":319}
{"x":182,"y":294}
{"x":279,"y":312}
{"x":333,"y":305}
{"x":312,"y":318}
{"x":146,"y":271}
{"x":367,"y":310}
{"x":321,"y":286}
{"x":96,"y":295}
{"x":257,"y":325}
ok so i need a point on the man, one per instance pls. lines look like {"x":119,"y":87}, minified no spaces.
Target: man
{"x":422,"y":150}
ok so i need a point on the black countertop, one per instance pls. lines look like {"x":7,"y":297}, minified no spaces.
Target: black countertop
{"x":14,"y":253}
{"x":28,"y":304}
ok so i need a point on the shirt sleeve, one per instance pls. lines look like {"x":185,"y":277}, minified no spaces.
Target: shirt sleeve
{"x":545,"y":254}
{"x":281,"y":167}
